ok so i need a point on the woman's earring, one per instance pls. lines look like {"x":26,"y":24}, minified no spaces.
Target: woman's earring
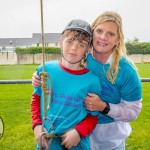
{"x":116,"y":47}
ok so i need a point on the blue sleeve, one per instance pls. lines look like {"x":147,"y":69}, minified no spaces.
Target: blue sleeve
{"x":131,"y":89}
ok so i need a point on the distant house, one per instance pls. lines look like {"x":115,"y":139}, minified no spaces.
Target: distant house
{"x":10,"y":44}
{"x":50,"y":39}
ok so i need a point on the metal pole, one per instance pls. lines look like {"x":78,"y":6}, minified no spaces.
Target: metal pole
{"x":30,"y":81}
{"x":145,"y":79}
{"x":15,"y":81}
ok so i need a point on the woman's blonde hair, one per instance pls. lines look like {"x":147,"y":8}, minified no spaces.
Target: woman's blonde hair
{"x":118,"y":50}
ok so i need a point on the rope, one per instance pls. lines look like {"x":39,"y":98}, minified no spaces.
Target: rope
{"x":42,"y":31}
{"x":45,"y":89}
{"x":43,"y":74}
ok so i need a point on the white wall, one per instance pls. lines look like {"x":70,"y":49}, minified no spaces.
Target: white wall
{"x":139,"y":58}
{"x":8,"y":58}
{"x":12,"y":58}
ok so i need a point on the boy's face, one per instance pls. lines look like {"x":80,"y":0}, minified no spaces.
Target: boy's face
{"x":73,"y":50}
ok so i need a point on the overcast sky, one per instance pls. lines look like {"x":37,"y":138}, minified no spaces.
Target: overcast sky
{"x":21,"y":18}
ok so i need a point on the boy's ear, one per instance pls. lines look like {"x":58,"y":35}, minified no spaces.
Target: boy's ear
{"x":60,"y":44}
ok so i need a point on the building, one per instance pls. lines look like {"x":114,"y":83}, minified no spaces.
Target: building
{"x":50,"y":39}
{"x":10,"y":44}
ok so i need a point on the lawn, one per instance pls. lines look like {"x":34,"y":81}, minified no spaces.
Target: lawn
{"x":15,"y":111}
{"x":140,"y":137}
{"x":15,"y":108}
{"x":9,"y":72}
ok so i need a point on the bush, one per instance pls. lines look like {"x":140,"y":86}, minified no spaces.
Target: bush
{"x":36,"y":50}
{"x":138,"y":48}
{"x":132,"y":48}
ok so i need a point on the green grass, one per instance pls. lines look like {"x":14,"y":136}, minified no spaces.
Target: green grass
{"x":144,"y":70}
{"x":8,"y":72}
{"x":140,"y":137}
{"x":15,"y":111}
{"x":15,"y":108}
{"x":15,"y":104}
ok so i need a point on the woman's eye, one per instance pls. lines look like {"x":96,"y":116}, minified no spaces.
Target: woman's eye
{"x":110,"y":34}
{"x":99,"y":31}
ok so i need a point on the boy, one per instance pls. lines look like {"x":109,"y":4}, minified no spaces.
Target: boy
{"x":71,"y":82}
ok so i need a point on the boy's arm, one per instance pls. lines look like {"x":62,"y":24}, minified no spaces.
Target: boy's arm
{"x":87,"y":125}
{"x":35,"y":111}
{"x":83,"y":129}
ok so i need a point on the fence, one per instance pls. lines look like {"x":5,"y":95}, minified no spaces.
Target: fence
{"x":15,"y":81}
{"x":13,"y":58}
{"x":30,"y":81}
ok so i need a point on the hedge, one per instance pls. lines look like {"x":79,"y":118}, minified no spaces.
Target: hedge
{"x":138,"y":48}
{"x":132,"y":48}
{"x":36,"y":50}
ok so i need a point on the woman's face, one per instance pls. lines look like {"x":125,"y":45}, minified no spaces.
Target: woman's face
{"x":105,"y":37}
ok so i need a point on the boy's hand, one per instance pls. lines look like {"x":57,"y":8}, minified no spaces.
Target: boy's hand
{"x":70,"y":138}
{"x":37,"y":133}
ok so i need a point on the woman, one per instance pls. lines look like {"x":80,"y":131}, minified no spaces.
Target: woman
{"x":120,"y":101}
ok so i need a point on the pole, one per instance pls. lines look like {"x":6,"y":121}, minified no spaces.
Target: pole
{"x":42,"y":31}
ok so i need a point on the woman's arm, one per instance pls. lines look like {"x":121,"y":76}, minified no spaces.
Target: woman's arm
{"x":124,"y":111}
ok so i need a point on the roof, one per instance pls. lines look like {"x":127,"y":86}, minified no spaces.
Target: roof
{"x":36,"y":38}
{"x":48,"y":37}
{"x":15,"y":41}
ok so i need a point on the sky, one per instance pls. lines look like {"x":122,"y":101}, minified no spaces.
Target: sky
{"x":22,"y":18}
